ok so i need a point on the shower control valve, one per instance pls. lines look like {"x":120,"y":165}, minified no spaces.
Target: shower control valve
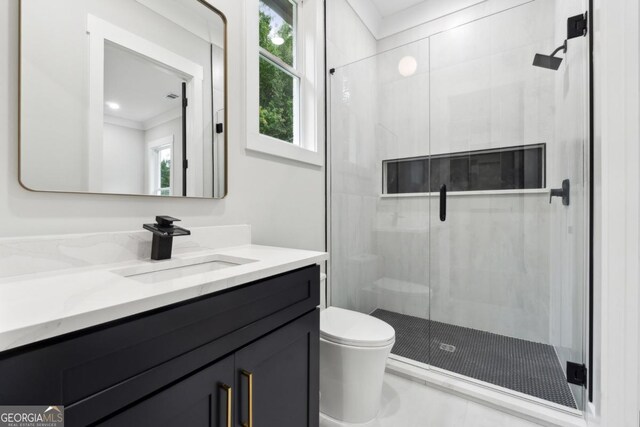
{"x":563,"y":192}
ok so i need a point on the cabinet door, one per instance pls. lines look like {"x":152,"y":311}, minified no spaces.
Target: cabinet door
{"x":200,"y":400}
{"x":277,"y":377}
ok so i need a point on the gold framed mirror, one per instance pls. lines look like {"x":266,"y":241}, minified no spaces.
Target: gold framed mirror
{"x":123,"y":97}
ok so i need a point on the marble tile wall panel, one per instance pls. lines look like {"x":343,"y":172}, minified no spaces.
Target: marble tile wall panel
{"x":348,"y":39}
{"x":497,"y":264}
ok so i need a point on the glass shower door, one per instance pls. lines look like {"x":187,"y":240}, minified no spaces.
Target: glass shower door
{"x":379,"y":239}
{"x":507,"y":262}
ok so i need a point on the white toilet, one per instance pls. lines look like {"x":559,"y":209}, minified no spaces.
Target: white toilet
{"x":353,"y":352}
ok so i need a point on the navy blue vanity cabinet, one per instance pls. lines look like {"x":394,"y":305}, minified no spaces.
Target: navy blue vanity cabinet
{"x":245,"y":355}
{"x":277,"y":380}
{"x":203,"y":399}
{"x":275,"y":384}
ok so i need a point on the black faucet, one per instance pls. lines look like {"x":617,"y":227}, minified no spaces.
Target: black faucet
{"x":163,"y":233}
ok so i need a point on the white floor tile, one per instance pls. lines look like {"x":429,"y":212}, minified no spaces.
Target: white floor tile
{"x":408,"y":403}
{"x":483,"y":416}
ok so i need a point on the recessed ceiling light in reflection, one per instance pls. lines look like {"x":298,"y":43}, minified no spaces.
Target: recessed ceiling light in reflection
{"x":113,"y":105}
{"x":407,"y":66}
{"x":277,"y":40}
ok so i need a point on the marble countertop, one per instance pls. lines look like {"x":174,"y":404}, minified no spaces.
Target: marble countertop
{"x":37,"y":306}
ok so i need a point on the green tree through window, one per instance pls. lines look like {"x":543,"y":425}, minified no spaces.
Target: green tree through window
{"x":165,"y":174}
{"x":276,"y":86}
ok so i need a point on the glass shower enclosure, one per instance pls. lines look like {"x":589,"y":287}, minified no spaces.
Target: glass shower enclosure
{"x":459,"y":199}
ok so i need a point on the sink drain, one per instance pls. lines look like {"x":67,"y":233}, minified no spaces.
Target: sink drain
{"x":448,"y":347}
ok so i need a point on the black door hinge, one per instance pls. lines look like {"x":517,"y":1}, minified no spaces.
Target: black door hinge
{"x":185,"y":102}
{"x":577,"y":26}
{"x":577,"y":374}
{"x":185,"y":164}
{"x":332,"y":71}
{"x":219,"y":127}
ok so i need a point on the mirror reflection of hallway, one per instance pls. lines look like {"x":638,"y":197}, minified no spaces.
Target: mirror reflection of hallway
{"x":144,"y":118}
{"x":134,"y":72}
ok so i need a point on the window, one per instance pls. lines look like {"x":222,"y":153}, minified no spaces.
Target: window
{"x":160,"y":167}
{"x":285,"y":79}
{"x":279,"y":77}
{"x":163,"y":170}
{"x":513,"y":168}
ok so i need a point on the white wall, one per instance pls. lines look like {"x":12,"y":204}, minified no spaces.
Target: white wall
{"x":617,"y":236}
{"x":283,"y":201}
{"x":123,"y":160}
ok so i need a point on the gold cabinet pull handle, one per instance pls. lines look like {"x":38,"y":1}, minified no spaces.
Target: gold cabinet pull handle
{"x":249,"y":377}
{"x":227,"y":389}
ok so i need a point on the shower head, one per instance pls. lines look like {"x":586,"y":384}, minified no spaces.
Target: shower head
{"x":550,"y":62}
{"x":546,"y":61}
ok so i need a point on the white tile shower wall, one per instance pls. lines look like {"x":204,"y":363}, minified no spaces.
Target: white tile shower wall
{"x":402,"y":225}
{"x":355,"y":262}
{"x":475,"y":12}
{"x":353,"y":196}
{"x":485,"y":92}
{"x":348,"y":39}
{"x":282,"y":200}
{"x":490,"y":265}
{"x":491,"y":261}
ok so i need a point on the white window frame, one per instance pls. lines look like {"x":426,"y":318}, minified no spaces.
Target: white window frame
{"x":309,"y":126}
{"x":153,"y":170}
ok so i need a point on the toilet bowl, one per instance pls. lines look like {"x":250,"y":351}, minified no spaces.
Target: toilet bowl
{"x":353,"y":352}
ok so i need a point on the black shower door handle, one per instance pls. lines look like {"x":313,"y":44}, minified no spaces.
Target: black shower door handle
{"x":443,"y":202}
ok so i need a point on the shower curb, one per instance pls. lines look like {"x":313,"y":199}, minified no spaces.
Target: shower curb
{"x":524,"y":407}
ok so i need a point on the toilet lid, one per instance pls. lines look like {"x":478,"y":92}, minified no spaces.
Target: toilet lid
{"x":352,"y":328}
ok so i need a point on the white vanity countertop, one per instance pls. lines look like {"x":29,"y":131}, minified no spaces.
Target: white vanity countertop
{"x":34,"y":307}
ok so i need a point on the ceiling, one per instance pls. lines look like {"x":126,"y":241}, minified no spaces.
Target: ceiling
{"x":139,"y":85}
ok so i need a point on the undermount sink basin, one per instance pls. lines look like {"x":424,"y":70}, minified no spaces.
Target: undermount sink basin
{"x":178,"y":268}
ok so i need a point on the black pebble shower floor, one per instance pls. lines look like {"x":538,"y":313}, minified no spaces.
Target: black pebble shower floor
{"x":520,"y":365}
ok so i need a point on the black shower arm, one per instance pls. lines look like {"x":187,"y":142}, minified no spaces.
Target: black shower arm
{"x":563,"y":48}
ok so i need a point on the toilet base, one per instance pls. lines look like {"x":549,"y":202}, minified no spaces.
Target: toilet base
{"x":351,"y":381}
{"x":327,"y":421}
